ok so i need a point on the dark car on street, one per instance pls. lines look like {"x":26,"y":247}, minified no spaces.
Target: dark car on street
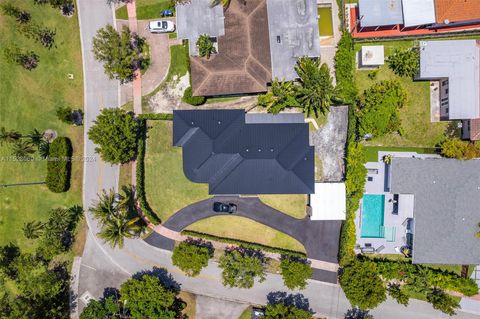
{"x":224,"y":208}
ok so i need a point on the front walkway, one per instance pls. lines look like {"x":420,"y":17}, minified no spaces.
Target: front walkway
{"x":320,"y":238}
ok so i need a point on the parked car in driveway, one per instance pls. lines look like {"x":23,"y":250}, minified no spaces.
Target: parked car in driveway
{"x":161,"y":26}
{"x":224,"y":208}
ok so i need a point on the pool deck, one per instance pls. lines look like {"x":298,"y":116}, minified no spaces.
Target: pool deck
{"x":378,"y":183}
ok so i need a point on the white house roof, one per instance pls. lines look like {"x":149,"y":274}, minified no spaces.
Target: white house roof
{"x":418,"y":12}
{"x":374,"y":13}
{"x":459,"y":61}
{"x":328,"y":202}
{"x":373,"y":55}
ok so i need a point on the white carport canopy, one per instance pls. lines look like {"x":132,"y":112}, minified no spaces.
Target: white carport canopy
{"x":418,"y":12}
{"x":328,"y":202}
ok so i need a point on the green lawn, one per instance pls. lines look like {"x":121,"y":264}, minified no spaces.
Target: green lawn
{"x":247,"y":314}
{"x":293,"y":205}
{"x":167,"y":188}
{"x":146,"y":9}
{"x":28,"y":100}
{"x":371,"y":152}
{"x":246,"y":229}
{"x":415,"y":115}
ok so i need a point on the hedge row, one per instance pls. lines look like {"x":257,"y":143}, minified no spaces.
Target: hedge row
{"x":59,"y":165}
{"x":156,"y":116}
{"x":345,"y":70}
{"x":408,"y":272}
{"x":141,"y":196}
{"x":245,"y":244}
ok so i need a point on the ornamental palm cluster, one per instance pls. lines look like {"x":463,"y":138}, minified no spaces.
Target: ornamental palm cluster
{"x":116,"y":215}
{"x":313,"y":91}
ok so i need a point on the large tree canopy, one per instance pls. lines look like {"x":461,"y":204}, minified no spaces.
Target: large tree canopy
{"x":192,"y":256}
{"x":241,"y":266}
{"x":295,"y":272}
{"x":405,"y":62}
{"x":378,"y":108}
{"x":115,"y":131}
{"x":121,"y":52}
{"x":362,"y":285}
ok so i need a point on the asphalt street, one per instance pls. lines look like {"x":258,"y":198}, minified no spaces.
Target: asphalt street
{"x":103,"y":267}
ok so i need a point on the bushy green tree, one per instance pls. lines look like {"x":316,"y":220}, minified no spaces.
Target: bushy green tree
{"x":281,"y":95}
{"x":316,"y":90}
{"x":109,"y":307}
{"x":241,"y":266}
{"x":456,"y":148}
{"x":442,"y":301}
{"x":122,"y":53}
{"x":205,"y":46}
{"x":356,"y":313}
{"x":295,"y":272}
{"x":362,"y":285}
{"x":148,"y":297}
{"x":191,"y":256}
{"x":115,"y":131}
{"x":282,"y":311}
{"x":396,"y":292}
{"x":378,"y":108}
{"x":404,"y":62}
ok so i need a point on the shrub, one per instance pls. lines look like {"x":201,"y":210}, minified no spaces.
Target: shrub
{"x":191,"y":256}
{"x":295,"y":272}
{"x":192,"y":100}
{"x":205,"y":46}
{"x":64,"y":114}
{"x":156,"y":116}
{"x":404,"y":62}
{"x":378,"y":108}
{"x":456,"y":148}
{"x":397,"y":293}
{"x":345,"y":70}
{"x":443,"y":302}
{"x":59,"y":165}
{"x":244,"y":244}
{"x":362,"y":285}
{"x":241,"y":266}
{"x":115,"y":131}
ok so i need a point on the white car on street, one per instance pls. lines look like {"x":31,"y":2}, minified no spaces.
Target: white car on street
{"x":161,"y":26}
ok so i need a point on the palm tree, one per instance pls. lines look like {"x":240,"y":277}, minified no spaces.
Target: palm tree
{"x":282,"y":95}
{"x":22,"y":149}
{"x":8,"y":136}
{"x":118,"y":227}
{"x":108,"y":204}
{"x":316,"y":89}
{"x":35,"y":137}
{"x":33,"y":229}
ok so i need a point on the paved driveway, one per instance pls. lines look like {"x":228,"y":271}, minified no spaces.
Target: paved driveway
{"x":320,"y":238}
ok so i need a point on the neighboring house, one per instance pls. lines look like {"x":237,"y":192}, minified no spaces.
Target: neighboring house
{"x":408,"y":13}
{"x":455,"y":65}
{"x":238,"y":153}
{"x":257,"y":41}
{"x":414,"y":16}
{"x":428,"y":204}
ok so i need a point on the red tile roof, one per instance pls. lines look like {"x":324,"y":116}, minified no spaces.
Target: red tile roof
{"x":457,"y":10}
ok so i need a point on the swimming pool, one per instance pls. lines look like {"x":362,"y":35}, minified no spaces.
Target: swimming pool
{"x":372,"y":216}
{"x":325,"y":23}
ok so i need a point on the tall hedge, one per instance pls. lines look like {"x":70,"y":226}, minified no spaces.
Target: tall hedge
{"x":345,"y":70}
{"x":59,"y":165}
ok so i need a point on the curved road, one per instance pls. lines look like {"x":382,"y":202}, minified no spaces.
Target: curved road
{"x":103,"y":267}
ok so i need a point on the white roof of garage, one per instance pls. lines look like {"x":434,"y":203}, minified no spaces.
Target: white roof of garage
{"x":328,"y":202}
{"x":418,"y":12}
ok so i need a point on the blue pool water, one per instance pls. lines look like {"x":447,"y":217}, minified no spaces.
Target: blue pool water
{"x":372,"y":216}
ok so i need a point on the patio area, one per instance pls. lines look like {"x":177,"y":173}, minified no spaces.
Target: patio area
{"x":384,"y":221}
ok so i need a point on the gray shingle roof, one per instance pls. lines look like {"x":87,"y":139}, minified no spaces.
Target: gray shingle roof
{"x":374,"y":13}
{"x":446,"y":207}
{"x":234,"y":157}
